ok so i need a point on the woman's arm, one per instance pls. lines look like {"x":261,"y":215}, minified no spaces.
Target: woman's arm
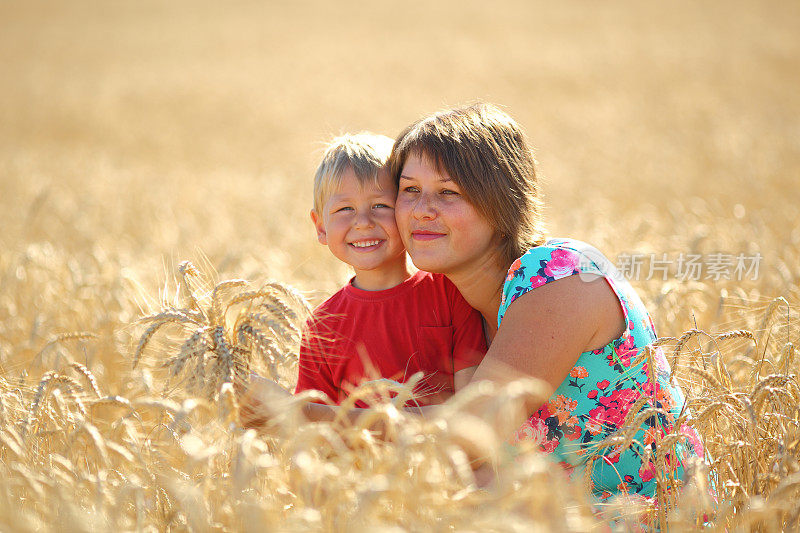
{"x":544,"y":332}
{"x":255,"y":410}
{"x":462,"y":377}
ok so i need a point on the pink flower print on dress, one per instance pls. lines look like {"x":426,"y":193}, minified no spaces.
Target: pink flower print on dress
{"x":536,"y":428}
{"x":607,"y":418}
{"x":537,"y":281}
{"x":693,"y":438}
{"x":549,"y":446}
{"x":533,"y":429}
{"x":613,"y":409}
{"x":661,"y":359}
{"x":623,"y":354}
{"x":562,"y":263}
{"x":594,"y":427}
{"x":647,"y":471}
{"x":612,"y":457}
{"x":623,"y":398}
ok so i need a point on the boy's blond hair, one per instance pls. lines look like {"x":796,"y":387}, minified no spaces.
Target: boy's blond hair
{"x":366,"y":153}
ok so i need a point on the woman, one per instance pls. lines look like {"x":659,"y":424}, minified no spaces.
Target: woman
{"x":468,"y":207}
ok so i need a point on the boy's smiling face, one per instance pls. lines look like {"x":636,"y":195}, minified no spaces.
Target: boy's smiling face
{"x":357,"y":224}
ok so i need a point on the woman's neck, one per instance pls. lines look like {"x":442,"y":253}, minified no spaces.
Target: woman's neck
{"x":481,"y":285}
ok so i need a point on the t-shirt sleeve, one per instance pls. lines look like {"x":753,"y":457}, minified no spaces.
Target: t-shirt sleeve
{"x":543,"y":264}
{"x":469,"y":343}
{"x":313,"y":370}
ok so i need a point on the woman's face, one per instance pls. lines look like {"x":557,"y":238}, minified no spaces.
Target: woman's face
{"x":441,"y":230}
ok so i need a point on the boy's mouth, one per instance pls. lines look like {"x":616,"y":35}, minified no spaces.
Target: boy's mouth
{"x":366,"y":245}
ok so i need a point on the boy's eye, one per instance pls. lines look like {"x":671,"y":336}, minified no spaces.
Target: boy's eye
{"x":345,"y":208}
{"x":383,"y":206}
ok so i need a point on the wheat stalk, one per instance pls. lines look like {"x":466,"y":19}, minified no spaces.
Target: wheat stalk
{"x":88,"y":377}
{"x":71,"y":336}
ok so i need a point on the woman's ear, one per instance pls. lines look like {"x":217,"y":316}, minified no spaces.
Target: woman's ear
{"x":319,"y":224}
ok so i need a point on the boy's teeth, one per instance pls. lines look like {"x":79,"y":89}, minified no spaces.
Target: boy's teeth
{"x":364,"y":244}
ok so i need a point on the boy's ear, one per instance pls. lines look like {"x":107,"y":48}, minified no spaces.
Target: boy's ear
{"x":322,"y":237}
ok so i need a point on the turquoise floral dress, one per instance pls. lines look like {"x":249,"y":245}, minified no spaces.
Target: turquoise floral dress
{"x":604,"y":384}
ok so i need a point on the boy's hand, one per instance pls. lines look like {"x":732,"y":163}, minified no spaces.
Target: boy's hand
{"x":255,"y":406}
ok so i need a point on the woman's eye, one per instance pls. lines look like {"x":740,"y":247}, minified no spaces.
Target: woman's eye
{"x":410,"y":189}
{"x":449,"y":191}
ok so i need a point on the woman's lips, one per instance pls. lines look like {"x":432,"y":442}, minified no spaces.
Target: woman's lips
{"x":425,"y":235}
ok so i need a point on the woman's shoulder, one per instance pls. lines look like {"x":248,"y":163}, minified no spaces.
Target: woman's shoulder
{"x":559,"y":258}
{"x":555,"y":259}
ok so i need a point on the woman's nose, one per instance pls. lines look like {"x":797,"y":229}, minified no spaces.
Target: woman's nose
{"x":424,"y":208}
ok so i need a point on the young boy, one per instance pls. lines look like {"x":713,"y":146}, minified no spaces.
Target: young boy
{"x":386,"y":322}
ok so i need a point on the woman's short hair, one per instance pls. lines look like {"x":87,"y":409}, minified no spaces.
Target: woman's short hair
{"x":487,"y":154}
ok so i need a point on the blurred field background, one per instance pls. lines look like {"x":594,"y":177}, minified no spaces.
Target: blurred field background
{"x":137,"y":135}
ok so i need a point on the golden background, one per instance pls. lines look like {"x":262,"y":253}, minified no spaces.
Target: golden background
{"x":135,"y":135}
{"x":155,"y":129}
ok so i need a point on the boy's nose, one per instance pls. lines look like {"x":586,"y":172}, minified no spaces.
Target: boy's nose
{"x":364,"y":220}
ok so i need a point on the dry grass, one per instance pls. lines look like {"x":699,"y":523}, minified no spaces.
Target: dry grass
{"x":174,"y":455}
{"x":135,"y":136}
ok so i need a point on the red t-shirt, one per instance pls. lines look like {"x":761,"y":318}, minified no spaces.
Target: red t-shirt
{"x":422,"y":325}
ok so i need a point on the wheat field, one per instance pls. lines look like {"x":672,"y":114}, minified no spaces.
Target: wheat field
{"x":156,"y":162}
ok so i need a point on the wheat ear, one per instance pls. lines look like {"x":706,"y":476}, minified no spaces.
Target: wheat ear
{"x":71,"y":336}
{"x":160,"y":319}
{"x":88,"y":376}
